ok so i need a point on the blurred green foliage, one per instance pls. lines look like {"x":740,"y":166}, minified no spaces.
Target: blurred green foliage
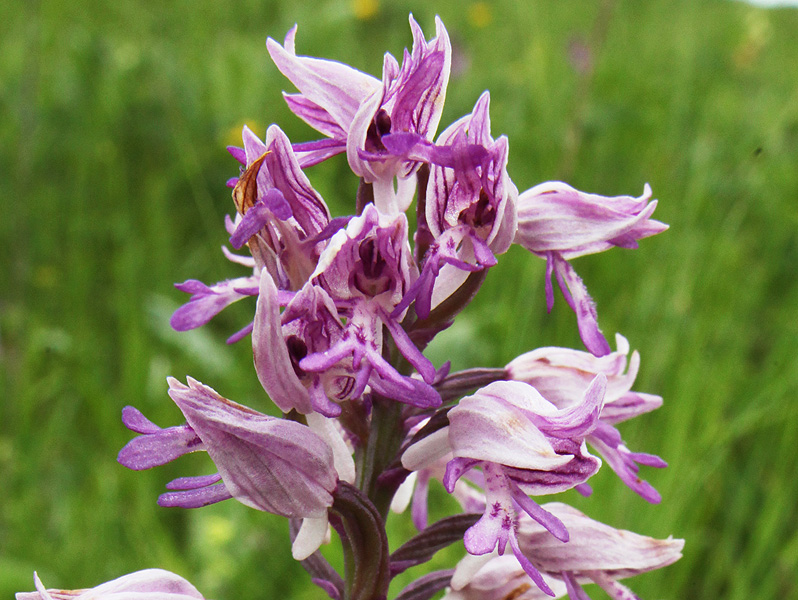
{"x":115,"y":116}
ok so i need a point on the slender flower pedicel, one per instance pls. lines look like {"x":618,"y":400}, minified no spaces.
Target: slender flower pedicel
{"x":344,"y":308}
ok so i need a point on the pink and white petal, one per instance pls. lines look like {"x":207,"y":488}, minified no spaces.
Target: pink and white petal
{"x":489,"y":431}
{"x":342,"y":455}
{"x":335,"y":87}
{"x":594,"y":546}
{"x":272,"y":362}
{"x":310,"y":537}
{"x":428,"y":451}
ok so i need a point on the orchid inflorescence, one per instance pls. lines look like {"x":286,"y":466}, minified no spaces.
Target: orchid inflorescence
{"x":345,"y":309}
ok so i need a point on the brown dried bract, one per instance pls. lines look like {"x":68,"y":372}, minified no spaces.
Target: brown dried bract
{"x":245,"y":194}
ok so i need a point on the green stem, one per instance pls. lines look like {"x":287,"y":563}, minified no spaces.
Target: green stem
{"x":385,"y":439}
{"x":362,"y":532}
{"x":349,"y":567}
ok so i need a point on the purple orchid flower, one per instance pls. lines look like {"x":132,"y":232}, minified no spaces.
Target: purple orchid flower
{"x":309,"y":324}
{"x":150,"y":584}
{"x":559,"y":374}
{"x":365,"y":270}
{"x":269,"y":464}
{"x":283,"y":219}
{"x":524,"y":446}
{"x":356,"y":110}
{"x":558,"y":223}
{"x":470,"y":203}
{"x":595,"y":553}
{"x":307,"y":360}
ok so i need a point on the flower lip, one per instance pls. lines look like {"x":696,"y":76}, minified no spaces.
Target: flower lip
{"x":156,"y":446}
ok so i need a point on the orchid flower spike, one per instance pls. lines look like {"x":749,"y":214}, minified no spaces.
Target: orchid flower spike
{"x":524,"y":446}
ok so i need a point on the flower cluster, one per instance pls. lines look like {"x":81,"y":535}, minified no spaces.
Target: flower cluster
{"x":345,"y":307}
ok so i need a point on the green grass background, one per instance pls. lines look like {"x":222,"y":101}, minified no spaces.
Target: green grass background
{"x":113,"y":121}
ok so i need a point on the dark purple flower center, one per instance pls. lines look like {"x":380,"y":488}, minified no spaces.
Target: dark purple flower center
{"x":373,"y":277}
{"x":479,"y":214}
{"x":297,"y":350}
{"x":380,"y":126}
